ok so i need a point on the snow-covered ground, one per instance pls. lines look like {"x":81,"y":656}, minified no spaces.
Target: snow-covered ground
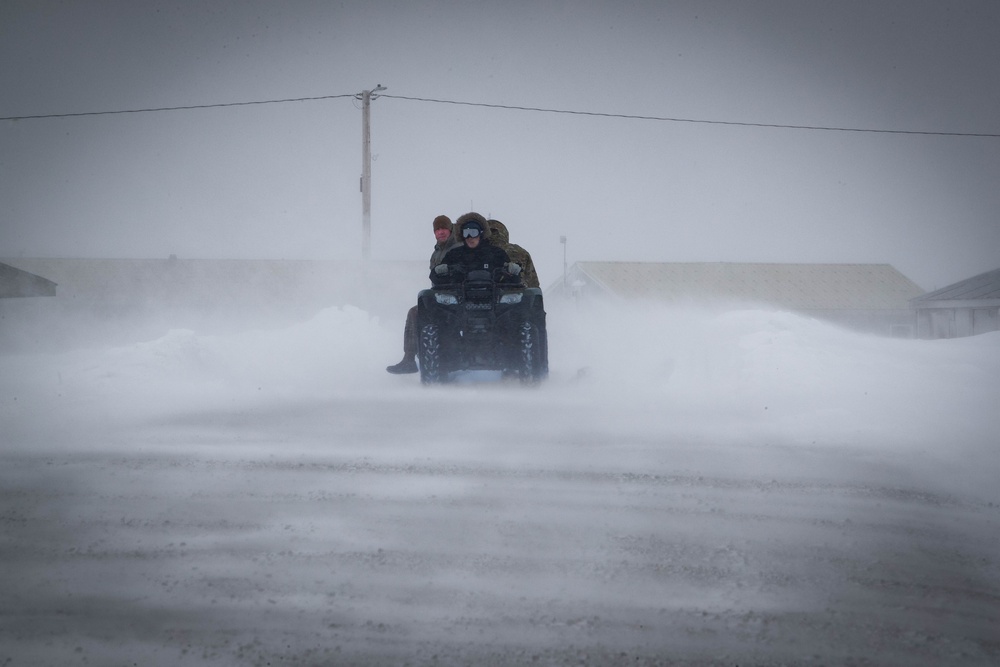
{"x":689,"y":487}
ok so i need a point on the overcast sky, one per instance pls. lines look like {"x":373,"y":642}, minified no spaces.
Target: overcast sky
{"x":282,"y":180}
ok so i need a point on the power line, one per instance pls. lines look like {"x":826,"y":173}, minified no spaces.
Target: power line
{"x":694,"y":120}
{"x":665,"y":119}
{"x":179,"y":108}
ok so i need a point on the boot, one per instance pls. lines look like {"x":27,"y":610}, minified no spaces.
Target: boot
{"x":409,"y":362}
{"x":407,"y":365}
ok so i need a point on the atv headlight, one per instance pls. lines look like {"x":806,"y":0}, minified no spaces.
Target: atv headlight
{"x":511,"y":297}
{"x":446,"y":299}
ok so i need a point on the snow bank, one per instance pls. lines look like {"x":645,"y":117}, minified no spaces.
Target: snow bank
{"x":784,"y":374}
{"x":741,"y":374}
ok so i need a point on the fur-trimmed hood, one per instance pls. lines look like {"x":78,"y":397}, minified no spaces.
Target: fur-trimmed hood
{"x":470,"y":217}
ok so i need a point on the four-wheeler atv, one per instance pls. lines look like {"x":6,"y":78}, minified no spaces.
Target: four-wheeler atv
{"x":479,"y":323}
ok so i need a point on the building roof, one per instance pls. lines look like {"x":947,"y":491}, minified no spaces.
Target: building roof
{"x":791,"y":286}
{"x":16,"y":282}
{"x":984,"y":287}
{"x":172,"y":279}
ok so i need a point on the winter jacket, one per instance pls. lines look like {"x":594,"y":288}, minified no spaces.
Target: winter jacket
{"x":501,"y":238}
{"x":484,"y":256}
{"x":441,"y":249}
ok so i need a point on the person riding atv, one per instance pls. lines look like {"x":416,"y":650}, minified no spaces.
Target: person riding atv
{"x":478,"y":315}
{"x":476,"y":252}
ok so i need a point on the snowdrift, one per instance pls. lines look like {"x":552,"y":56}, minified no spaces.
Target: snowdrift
{"x":750,"y":375}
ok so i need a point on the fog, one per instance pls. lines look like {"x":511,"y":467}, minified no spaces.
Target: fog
{"x":696,"y":485}
{"x":691,"y":485}
{"x":744,"y":182}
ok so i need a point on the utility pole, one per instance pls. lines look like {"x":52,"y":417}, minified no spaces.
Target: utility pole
{"x":366,"y":171}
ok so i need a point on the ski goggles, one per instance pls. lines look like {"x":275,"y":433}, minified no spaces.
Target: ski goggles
{"x":471,"y":232}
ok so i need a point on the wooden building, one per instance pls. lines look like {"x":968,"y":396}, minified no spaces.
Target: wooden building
{"x":123,"y":300}
{"x":966,"y":308}
{"x":866,"y":297}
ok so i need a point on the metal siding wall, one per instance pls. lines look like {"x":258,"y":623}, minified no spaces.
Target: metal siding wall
{"x":985,"y":320}
{"x":942,"y":323}
{"x":963,"y":322}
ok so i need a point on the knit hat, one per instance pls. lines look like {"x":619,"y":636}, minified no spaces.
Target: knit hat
{"x":442,"y":222}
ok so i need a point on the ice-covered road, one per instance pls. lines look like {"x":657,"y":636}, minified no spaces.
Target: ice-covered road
{"x":732,"y":488}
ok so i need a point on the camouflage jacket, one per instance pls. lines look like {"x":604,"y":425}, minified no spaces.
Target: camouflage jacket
{"x":517,"y":254}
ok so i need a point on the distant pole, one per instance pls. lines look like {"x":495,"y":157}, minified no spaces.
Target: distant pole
{"x":562,"y":239}
{"x":366,"y":172}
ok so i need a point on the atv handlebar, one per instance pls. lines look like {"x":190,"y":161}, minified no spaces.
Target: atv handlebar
{"x":455,"y":274}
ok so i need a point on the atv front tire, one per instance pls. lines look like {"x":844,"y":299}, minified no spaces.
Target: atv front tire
{"x":430,"y":355}
{"x":529,"y":354}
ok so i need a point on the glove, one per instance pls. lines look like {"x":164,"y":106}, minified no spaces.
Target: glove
{"x":513,"y":269}
{"x":441,"y":269}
